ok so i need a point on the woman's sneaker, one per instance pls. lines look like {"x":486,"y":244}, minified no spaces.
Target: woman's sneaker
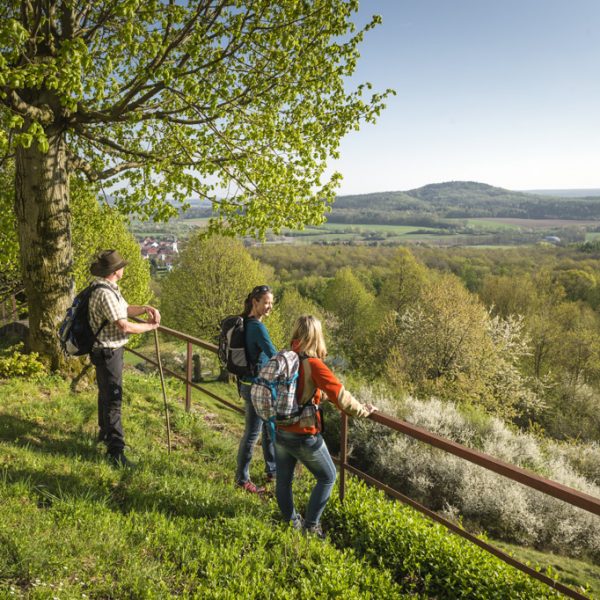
{"x":315,"y":530}
{"x":250,"y":487}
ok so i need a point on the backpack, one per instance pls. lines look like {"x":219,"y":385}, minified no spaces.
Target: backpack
{"x":232,"y":347}
{"x":273,"y":392}
{"x":75,"y":333}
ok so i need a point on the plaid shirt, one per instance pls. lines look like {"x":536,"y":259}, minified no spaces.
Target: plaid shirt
{"x":108,"y":305}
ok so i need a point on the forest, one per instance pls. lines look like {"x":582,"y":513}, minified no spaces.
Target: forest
{"x":496,"y":349}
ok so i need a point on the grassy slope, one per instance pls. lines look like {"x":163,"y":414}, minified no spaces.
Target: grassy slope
{"x":72,"y":527}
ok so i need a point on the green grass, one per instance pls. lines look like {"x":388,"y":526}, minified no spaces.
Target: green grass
{"x":490,"y":225}
{"x":73,"y":527}
{"x":397,"y":229}
{"x":571,"y":571}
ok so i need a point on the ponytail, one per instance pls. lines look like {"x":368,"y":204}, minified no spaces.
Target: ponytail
{"x":247,"y":306}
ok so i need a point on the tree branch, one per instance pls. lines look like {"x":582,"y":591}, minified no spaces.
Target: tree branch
{"x":156,"y":62}
{"x":124,"y":166}
{"x":104,"y":141}
{"x":43,"y":114}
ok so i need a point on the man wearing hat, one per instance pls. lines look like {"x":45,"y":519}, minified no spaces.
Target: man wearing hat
{"x":108,"y":313}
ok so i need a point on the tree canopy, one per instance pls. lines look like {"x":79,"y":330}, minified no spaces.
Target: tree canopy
{"x":236,"y":102}
{"x":187,"y":99}
{"x":210,"y":281}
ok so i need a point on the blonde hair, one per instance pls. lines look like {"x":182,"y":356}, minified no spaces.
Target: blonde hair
{"x":309,"y":335}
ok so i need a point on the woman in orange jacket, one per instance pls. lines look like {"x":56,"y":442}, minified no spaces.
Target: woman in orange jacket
{"x":303,"y":441}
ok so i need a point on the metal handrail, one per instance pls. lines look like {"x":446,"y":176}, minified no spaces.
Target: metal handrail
{"x":518,"y":474}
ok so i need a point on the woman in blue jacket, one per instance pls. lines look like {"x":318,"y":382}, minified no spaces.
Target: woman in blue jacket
{"x":259,"y":348}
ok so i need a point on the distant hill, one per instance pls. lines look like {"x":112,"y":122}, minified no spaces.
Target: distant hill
{"x":574,"y":193}
{"x":467,"y":192}
{"x":462,"y":200}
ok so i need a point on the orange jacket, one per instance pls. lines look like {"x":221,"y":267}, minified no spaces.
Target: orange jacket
{"x":321,"y":381}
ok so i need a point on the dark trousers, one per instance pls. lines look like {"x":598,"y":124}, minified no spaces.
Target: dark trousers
{"x":109,"y":376}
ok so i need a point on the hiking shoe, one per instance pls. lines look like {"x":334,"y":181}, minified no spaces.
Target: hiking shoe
{"x":120,"y":461}
{"x":250,"y":487}
{"x":315,"y":530}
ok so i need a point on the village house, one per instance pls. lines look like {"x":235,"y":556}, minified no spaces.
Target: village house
{"x":161,"y":253}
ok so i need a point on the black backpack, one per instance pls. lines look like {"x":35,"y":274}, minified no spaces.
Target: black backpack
{"x":75,"y":333}
{"x":232,"y":347}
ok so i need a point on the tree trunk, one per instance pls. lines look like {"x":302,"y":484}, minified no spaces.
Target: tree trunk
{"x":43,"y":222}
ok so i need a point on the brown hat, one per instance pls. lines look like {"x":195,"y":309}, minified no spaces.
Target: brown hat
{"x":106,"y":263}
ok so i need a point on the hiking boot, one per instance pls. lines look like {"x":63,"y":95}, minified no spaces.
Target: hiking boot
{"x":315,"y":530}
{"x":250,"y":487}
{"x":120,"y":461}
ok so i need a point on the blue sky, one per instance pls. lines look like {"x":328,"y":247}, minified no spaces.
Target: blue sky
{"x":506,"y":92}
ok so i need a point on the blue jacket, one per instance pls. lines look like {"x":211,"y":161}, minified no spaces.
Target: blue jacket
{"x":259,"y":346}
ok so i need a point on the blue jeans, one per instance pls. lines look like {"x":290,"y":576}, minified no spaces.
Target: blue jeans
{"x":312,"y":452}
{"x":254,"y":425}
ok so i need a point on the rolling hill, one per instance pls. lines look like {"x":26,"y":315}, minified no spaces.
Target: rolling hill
{"x":459,"y":200}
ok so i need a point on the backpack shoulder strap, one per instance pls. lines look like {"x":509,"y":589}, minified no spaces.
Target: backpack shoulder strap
{"x":308,"y":388}
{"x":98,"y":284}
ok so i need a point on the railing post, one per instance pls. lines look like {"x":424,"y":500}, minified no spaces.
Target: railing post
{"x":197,"y":376}
{"x":343,"y":454}
{"x":188,"y":378}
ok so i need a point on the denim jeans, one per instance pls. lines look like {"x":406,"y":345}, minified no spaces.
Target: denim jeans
{"x":312,"y":452}
{"x":254,"y":425}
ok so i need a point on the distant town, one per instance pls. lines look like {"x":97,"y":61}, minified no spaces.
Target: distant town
{"x":160,"y":252}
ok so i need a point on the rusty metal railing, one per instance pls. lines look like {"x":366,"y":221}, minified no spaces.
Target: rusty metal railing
{"x":522,"y":476}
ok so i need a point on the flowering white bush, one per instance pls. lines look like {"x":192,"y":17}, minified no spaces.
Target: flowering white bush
{"x":479,"y":497}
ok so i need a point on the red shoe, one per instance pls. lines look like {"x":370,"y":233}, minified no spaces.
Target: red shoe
{"x":250,"y":487}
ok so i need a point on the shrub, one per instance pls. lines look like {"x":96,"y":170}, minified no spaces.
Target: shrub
{"x":485,"y":500}
{"x":422,"y":555}
{"x":15,"y":363}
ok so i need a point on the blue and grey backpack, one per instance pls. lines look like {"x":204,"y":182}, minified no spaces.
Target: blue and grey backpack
{"x":274,"y":391}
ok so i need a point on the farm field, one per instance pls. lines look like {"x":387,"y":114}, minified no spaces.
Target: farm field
{"x":491,"y":232}
{"x":535,"y":223}
{"x":488,"y":224}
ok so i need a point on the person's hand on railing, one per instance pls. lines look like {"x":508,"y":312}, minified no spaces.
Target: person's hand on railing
{"x":153,"y":315}
{"x":371,"y":408}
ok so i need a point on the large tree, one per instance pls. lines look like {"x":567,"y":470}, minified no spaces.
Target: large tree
{"x":171,"y":100}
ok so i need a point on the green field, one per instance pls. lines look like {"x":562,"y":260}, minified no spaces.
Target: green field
{"x":359,"y":232}
{"x":491,"y":225}
{"x":466,"y":232}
